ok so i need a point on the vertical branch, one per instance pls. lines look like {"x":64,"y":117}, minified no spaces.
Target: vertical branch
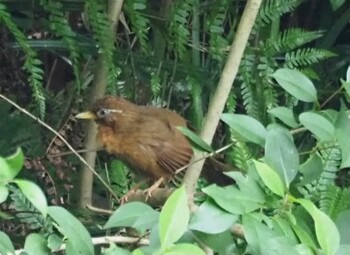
{"x":223,"y":89}
{"x":98,"y":90}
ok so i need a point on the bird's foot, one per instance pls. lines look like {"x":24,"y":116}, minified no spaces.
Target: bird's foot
{"x":148,"y":192}
{"x":125,"y":198}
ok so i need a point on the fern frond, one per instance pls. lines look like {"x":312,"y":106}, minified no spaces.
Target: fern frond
{"x":140,"y":23}
{"x":240,"y":154}
{"x":246,"y":71}
{"x":288,"y":40}
{"x":273,"y":9}
{"x":306,"y":56}
{"x":26,"y":212}
{"x":331,"y":157}
{"x":178,"y":26}
{"x":100,"y":26}
{"x":215,"y":22}
{"x":334,"y":200}
{"x":59,"y":25}
{"x":31,"y":64}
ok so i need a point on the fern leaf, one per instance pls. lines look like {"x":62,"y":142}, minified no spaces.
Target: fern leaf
{"x":60,"y":26}
{"x":273,"y":9}
{"x":288,"y":40}
{"x":140,"y":23}
{"x":31,"y":64}
{"x":306,"y":56}
{"x":334,"y":200}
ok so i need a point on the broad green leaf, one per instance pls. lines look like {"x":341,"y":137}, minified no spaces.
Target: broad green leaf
{"x":303,"y":236}
{"x":78,"y":238}
{"x":343,"y":224}
{"x":36,"y":244}
{"x":54,"y":242}
{"x":342,"y":131}
{"x":3,"y":193}
{"x":326,"y":230}
{"x":184,"y":248}
{"x":174,"y":218}
{"x":321,"y":127}
{"x":6,"y":174}
{"x":129,"y":214}
{"x":343,"y":249}
{"x":6,"y":246}
{"x":296,"y":84}
{"x":198,"y":142}
{"x":283,"y":227}
{"x":115,"y":250}
{"x":232,"y":199}
{"x":285,"y":115}
{"x":210,"y":218}
{"x":311,"y":169}
{"x":15,"y":162}
{"x":220,"y":243}
{"x":138,"y":252}
{"x":246,"y":127}
{"x":281,"y":154}
{"x":336,"y":4}
{"x":34,"y":194}
{"x":270,"y":178}
{"x":262,"y":240}
{"x":248,"y":185}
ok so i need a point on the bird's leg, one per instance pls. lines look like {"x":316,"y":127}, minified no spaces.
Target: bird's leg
{"x":132,"y":190}
{"x":155,"y":186}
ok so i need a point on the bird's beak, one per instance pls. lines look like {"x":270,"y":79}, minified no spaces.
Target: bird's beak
{"x":86,"y":115}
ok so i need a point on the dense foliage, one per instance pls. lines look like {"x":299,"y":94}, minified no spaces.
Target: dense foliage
{"x":287,"y":117}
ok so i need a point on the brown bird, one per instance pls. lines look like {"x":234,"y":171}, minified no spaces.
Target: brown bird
{"x":145,"y":138}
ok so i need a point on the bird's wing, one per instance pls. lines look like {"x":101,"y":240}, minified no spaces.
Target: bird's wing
{"x":171,"y":148}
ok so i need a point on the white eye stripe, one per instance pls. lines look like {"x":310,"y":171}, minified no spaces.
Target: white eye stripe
{"x":103,"y":112}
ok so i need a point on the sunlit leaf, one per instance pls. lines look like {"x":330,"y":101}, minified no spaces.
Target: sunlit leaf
{"x":285,"y":115}
{"x":34,"y":194}
{"x":78,"y":238}
{"x":174,"y":218}
{"x":246,"y":127}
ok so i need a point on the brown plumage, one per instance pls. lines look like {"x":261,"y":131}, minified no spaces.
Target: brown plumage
{"x":144,"y":137}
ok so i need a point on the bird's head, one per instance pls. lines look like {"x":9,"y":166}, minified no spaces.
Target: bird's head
{"x":107,"y":110}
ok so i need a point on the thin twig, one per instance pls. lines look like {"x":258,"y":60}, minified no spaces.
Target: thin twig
{"x":204,"y":157}
{"x":70,"y":152}
{"x":63,"y":140}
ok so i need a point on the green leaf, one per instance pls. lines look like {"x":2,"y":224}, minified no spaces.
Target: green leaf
{"x":210,"y":218}
{"x":270,"y":178}
{"x":336,"y":4}
{"x":6,"y":174}
{"x":6,"y":246}
{"x":115,"y":250}
{"x":3,"y":193}
{"x":232,"y":199}
{"x":54,"y":242}
{"x":296,"y":84}
{"x":281,"y":154}
{"x":78,"y":238}
{"x":285,"y":115}
{"x":34,"y":194}
{"x":311,"y":169}
{"x":195,"y":139}
{"x":36,"y":244}
{"x":184,"y":248}
{"x":246,"y":127}
{"x":326,"y":231}
{"x":343,"y":224}
{"x":220,"y":243}
{"x":131,"y":214}
{"x":262,"y":240}
{"x":342,"y":131}
{"x":321,"y":127}
{"x":174,"y":218}
{"x":15,"y":162}
{"x":303,"y":236}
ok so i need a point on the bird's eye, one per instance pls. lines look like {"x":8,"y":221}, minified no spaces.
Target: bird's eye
{"x":103,"y":113}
